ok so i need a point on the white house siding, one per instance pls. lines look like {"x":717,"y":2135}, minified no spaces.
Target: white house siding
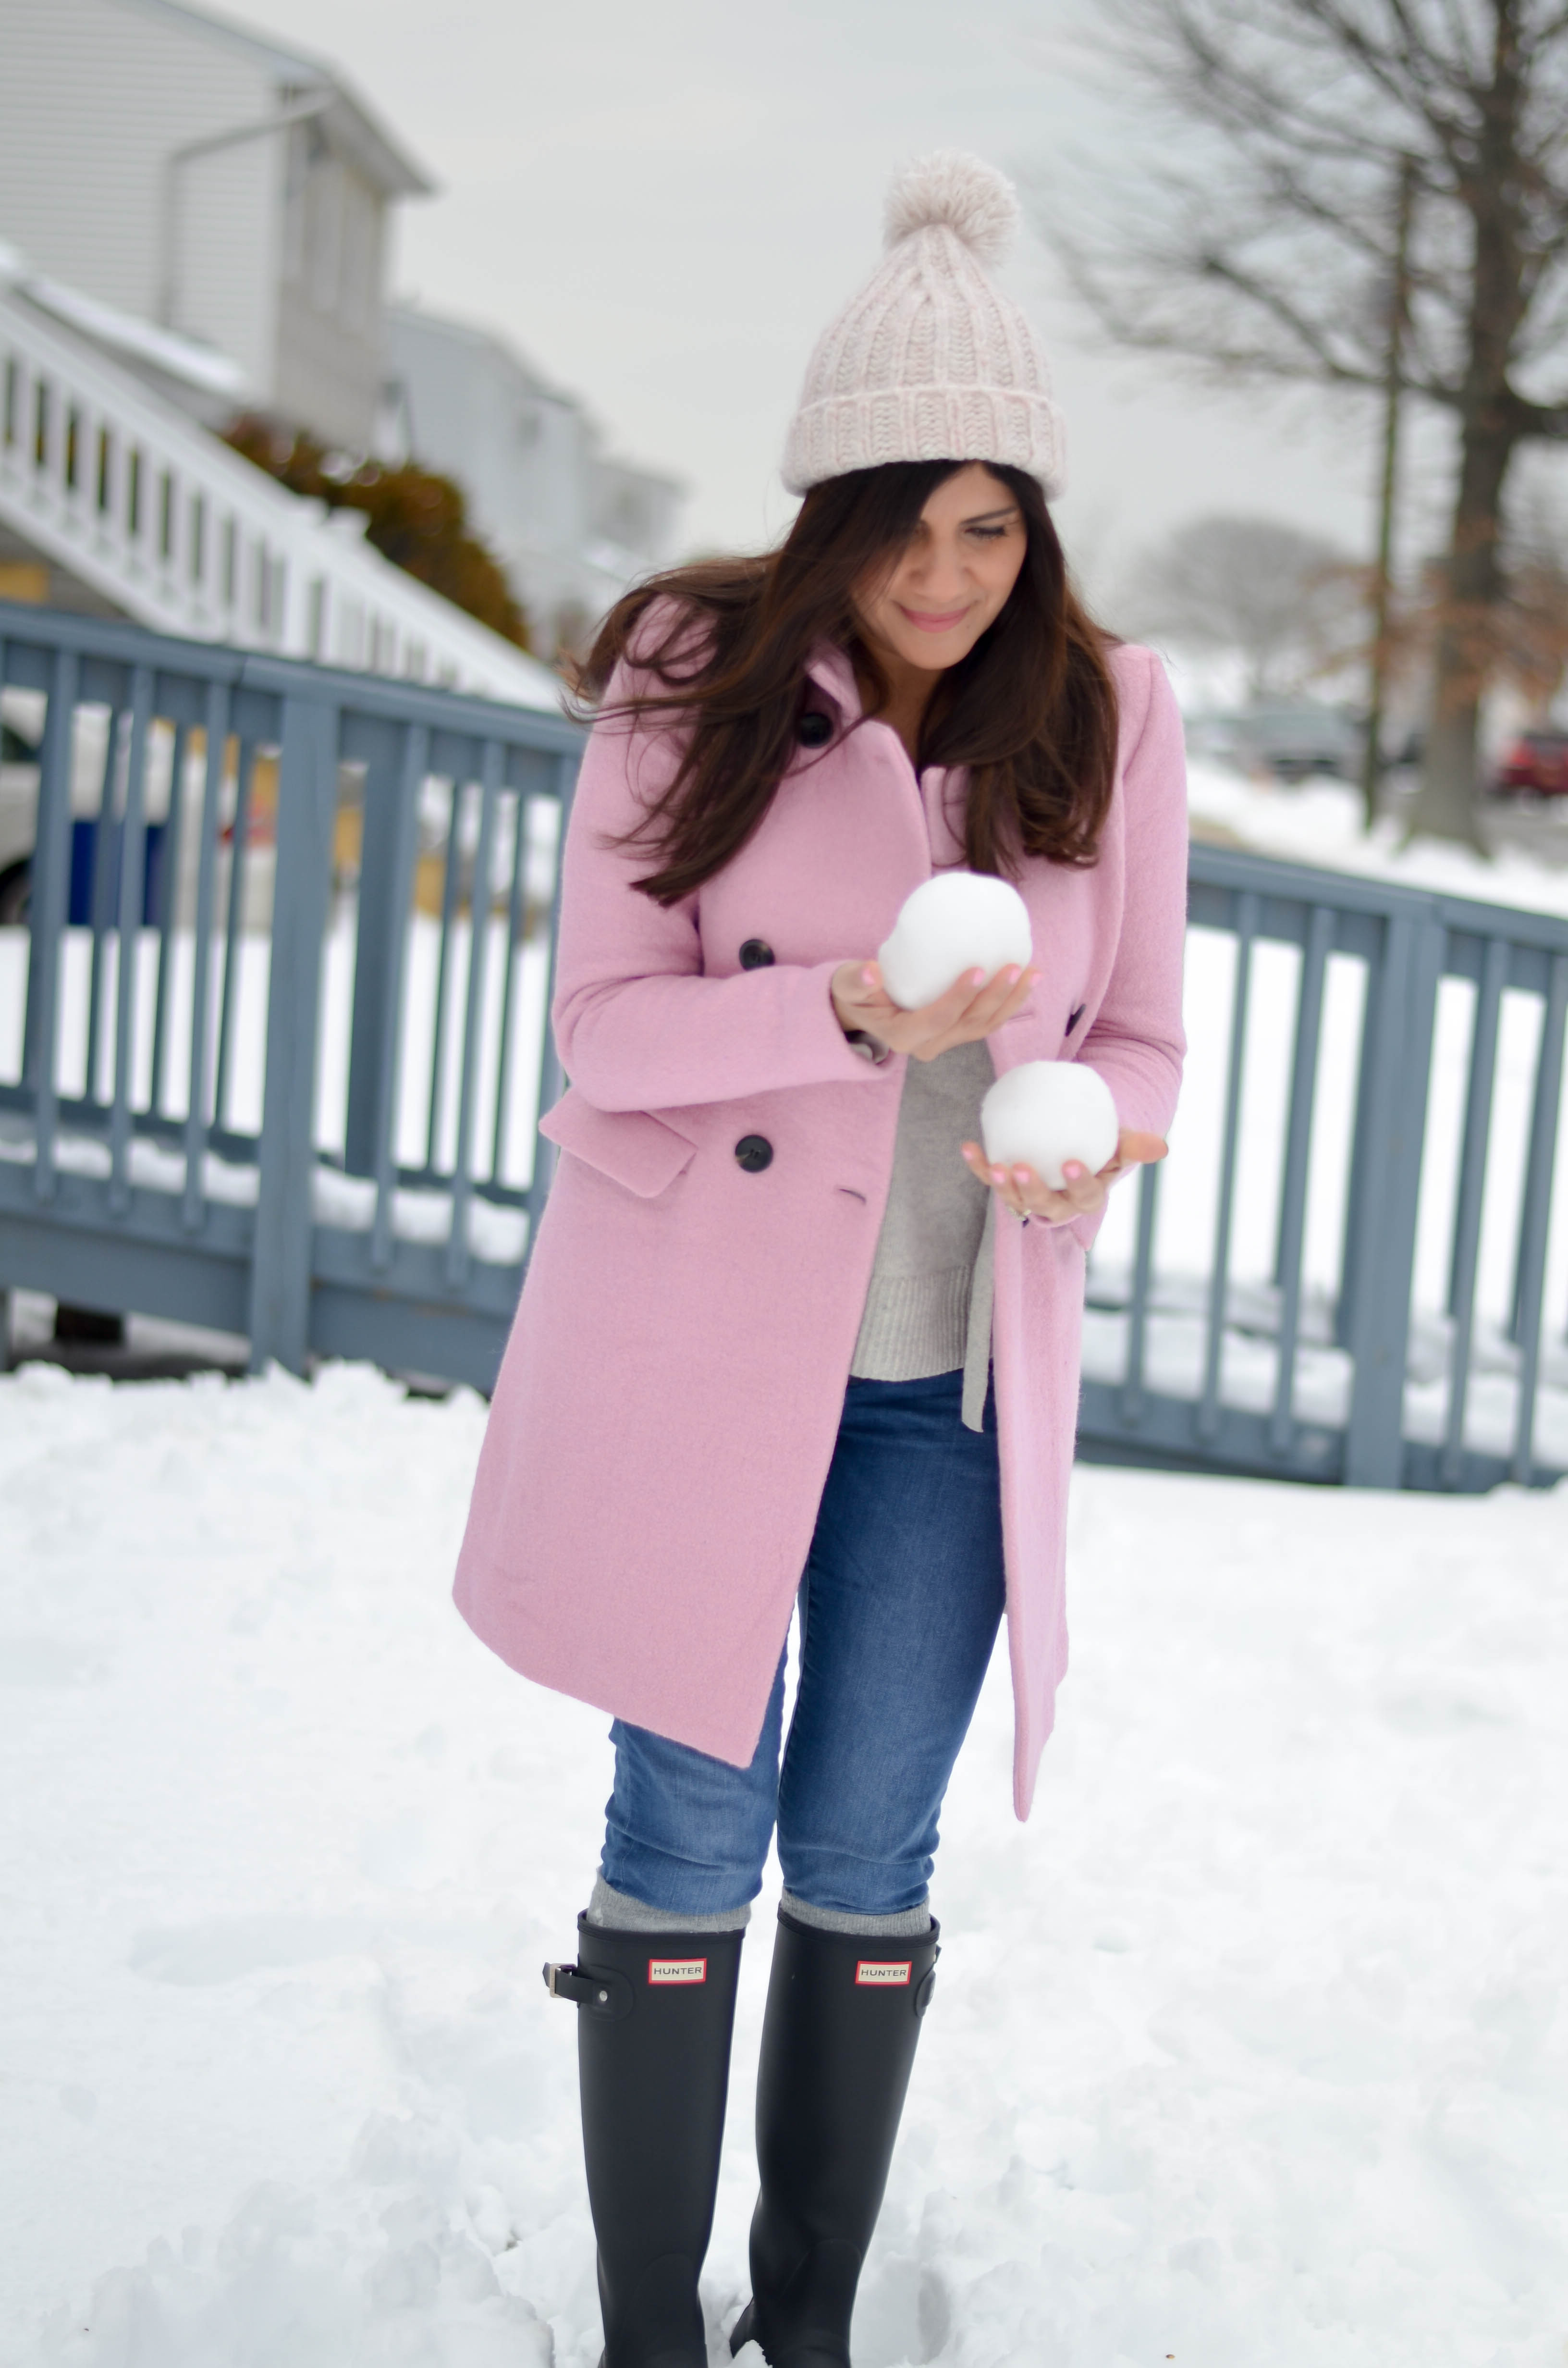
{"x":529,"y":457}
{"x":94,"y":94}
{"x":281,"y":240}
{"x":226,"y":250}
{"x":636,"y":510}
{"x":330,"y":321}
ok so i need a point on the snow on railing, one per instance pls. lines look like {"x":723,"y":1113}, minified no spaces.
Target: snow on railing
{"x":161,"y":519}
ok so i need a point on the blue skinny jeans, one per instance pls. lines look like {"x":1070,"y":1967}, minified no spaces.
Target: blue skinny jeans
{"x":898,"y":1608}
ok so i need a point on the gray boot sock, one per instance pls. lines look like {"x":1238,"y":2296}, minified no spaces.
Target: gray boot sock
{"x":616,"y":1911}
{"x":907,"y":1924}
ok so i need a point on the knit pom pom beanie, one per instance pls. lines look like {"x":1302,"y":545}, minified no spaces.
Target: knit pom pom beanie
{"x":930,"y":361}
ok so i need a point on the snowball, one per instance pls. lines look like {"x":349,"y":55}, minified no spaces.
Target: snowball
{"x":958,"y":921}
{"x":1045,"y":1112}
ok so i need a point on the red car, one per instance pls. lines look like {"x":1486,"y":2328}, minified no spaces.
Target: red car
{"x":1535,"y":767}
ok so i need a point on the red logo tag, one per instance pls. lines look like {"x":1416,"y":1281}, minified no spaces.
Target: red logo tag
{"x":880,"y":1973}
{"x":675,"y":1973}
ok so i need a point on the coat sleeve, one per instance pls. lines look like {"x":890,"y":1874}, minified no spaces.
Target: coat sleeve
{"x":1137,"y":1041}
{"x":637,"y":1025}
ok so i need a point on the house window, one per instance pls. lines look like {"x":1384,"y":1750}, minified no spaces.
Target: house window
{"x":197,"y":537}
{"x":165,"y":516}
{"x":230,"y":561}
{"x":133,"y":493}
{"x":72,"y":447}
{"x":13,"y":399}
{"x":40,"y":423}
{"x":105,"y":472}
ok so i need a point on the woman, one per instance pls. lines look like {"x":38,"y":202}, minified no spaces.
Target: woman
{"x":786,"y":1334}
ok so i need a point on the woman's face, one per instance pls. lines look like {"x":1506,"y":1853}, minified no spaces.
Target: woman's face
{"x":953,"y":576}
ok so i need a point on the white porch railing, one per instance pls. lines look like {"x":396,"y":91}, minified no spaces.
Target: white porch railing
{"x":158,"y":516}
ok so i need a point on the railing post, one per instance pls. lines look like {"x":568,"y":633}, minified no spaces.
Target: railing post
{"x":1382,"y":1219}
{"x":130,"y":839}
{"x":1218,"y":1280}
{"x":50,"y":895}
{"x":216,"y":726}
{"x":389,"y":847}
{"x":1535,"y":1216}
{"x":280,"y":1273}
{"x":1290,"y":1237}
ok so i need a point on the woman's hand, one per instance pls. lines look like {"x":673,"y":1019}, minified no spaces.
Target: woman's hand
{"x":969,"y":1010}
{"x":1021,"y":1190}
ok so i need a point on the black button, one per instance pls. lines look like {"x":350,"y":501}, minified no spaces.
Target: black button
{"x":814,"y":729}
{"x":756,"y":954}
{"x":1071,"y":1024}
{"x":754,"y":1153}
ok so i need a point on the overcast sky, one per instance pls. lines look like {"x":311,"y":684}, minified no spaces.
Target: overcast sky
{"x":663,"y":207}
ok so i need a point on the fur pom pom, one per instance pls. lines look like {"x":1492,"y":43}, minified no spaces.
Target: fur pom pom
{"x":973,"y":198}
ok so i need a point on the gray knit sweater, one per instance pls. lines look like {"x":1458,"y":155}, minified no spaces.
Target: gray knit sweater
{"x":928,"y":1306}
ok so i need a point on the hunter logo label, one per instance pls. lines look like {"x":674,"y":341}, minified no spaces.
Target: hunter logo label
{"x":674,"y":1973}
{"x":882,"y":1974}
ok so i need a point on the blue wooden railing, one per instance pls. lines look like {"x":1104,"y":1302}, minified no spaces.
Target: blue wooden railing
{"x":1407,"y":958}
{"x":284,"y":1080}
{"x":144,"y":1184}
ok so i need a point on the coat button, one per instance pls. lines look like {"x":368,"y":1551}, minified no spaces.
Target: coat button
{"x":756,"y":954}
{"x":754,"y":1153}
{"x":814,"y":729}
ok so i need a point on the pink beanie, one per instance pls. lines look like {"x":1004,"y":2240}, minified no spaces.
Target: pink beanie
{"x":930,"y":361}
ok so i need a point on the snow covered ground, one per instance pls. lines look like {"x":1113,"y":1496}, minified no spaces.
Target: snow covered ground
{"x":1249,"y":2051}
{"x":1319,"y":821}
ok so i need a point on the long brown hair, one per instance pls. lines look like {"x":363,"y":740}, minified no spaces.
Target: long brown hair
{"x":1031,"y":711}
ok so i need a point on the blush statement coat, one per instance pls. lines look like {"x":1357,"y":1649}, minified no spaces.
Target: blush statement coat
{"x":670,"y":1396}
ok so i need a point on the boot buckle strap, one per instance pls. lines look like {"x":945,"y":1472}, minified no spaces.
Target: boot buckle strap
{"x":605,"y":1993}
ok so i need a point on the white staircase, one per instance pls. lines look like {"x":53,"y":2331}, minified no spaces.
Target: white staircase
{"x":108,"y":478}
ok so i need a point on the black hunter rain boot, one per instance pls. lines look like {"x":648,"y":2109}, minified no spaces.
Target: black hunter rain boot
{"x":838,"y":2042}
{"x":654,"y":2015}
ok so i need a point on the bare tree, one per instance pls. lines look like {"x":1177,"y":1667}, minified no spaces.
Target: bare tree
{"x":1274,"y":596}
{"x":1267,"y":248}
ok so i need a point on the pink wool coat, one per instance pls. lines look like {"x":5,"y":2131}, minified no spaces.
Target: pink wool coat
{"x":670,"y":1396}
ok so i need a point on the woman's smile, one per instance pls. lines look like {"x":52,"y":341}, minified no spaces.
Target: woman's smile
{"x":927,"y":620}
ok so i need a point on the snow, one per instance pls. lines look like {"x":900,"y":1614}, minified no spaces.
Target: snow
{"x":1250,"y":2047}
{"x":958,"y":921}
{"x":1046,"y":1113}
{"x":1321,"y":822}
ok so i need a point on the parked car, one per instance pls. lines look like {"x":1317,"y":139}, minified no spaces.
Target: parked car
{"x":1290,"y":739}
{"x":21,"y":727}
{"x":1535,"y":766}
{"x":18,"y":812}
